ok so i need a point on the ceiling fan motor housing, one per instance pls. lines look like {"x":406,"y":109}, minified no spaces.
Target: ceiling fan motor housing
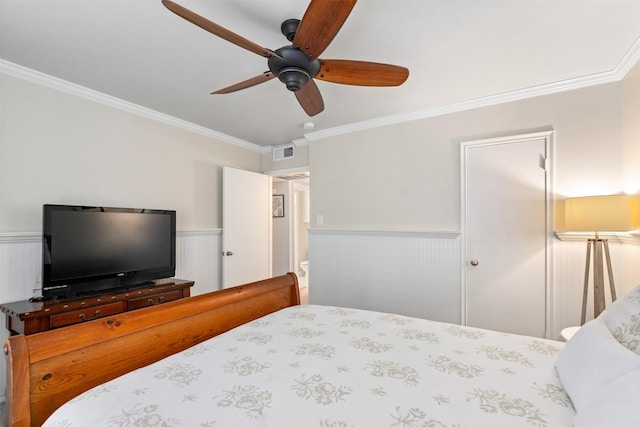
{"x":293,"y":68}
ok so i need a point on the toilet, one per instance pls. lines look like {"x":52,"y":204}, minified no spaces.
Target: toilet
{"x":304,"y":265}
{"x":303,"y":282}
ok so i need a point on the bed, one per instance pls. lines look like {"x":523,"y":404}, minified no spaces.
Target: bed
{"x":253,"y":356}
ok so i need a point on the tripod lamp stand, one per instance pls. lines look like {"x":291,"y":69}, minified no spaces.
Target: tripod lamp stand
{"x":600,"y":214}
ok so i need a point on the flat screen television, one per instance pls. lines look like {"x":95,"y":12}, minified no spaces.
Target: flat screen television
{"x":91,"y":249}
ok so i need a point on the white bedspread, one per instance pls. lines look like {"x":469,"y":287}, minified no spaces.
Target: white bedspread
{"x":326,"y":366}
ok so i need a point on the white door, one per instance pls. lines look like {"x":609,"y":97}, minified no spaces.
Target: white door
{"x":505,"y":210}
{"x":246,"y":227}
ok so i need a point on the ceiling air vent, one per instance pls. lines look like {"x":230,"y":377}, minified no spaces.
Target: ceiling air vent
{"x":281,"y":153}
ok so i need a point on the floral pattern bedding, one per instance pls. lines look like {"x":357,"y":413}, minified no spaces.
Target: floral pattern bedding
{"x":335,"y":367}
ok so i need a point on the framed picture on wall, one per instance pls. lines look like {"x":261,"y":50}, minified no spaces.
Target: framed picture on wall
{"x":277,"y":205}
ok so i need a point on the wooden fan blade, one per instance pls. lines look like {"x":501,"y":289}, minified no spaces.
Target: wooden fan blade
{"x":361,"y":73}
{"x":310,"y":99}
{"x":264,"y":77}
{"x":216,"y":29}
{"x":320,"y":24}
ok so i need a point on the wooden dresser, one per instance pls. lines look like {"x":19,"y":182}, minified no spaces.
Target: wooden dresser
{"x":26,"y":317}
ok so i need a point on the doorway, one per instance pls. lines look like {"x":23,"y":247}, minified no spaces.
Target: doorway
{"x":290,"y":227}
{"x":506,"y":222}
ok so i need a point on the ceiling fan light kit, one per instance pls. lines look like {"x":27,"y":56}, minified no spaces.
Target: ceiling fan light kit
{"x":293,"y":67}
{"x":299,"y":64}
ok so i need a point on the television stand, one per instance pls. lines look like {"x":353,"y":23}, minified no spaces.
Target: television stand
{"x":30,"y":317}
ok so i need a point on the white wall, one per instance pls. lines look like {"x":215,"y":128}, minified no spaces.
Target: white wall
{"x":389,"y":182}
{"x":59,"y":148}
{"x":405,"y":178}
{"x":631,"y":130}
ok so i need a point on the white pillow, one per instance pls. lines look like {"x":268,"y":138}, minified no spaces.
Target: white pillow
{"x":623,"y":320}
{"x":591,"y":359}
{"x":617,"y":404}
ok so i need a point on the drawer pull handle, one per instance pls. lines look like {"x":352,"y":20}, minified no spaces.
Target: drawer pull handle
{"x":152,"y":302}
{"x":84,"y":317}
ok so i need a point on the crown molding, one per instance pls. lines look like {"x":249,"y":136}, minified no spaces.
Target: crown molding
{"x":299,"y":142}
{"x":51,"y":82}
{"x":630,"y":58}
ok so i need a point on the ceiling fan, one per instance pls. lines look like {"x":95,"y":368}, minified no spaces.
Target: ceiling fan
{"x":298,"y":64}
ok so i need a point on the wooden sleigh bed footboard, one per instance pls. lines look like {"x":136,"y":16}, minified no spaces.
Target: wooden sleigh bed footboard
{"x":46,"y":370}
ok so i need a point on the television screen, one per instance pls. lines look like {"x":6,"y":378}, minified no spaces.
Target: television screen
{"x":91,"y":249}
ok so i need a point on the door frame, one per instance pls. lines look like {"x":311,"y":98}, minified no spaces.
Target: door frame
{"x":548,"y":137}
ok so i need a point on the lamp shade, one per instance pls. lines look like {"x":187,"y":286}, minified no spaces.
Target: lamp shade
{"x":616,"y":213}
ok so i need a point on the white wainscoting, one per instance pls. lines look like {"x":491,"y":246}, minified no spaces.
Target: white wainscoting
{"x":411,"y":273}
{"x":419,"y":274}
{"x":197,"y":259}
{"x":569,"y":260}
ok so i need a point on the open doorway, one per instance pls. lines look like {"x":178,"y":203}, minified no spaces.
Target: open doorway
{"x":290,"y":231}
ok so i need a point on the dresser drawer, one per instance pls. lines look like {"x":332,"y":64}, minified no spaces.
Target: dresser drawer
{"x":149,"y":300}
{"x":30,"y":317}
{"x":89,"y":313}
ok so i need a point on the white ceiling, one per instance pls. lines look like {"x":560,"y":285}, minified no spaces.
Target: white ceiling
{"x":457,"y":51}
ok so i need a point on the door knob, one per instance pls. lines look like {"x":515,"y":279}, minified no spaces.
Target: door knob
{"x":475,"y":262}
{"x":227,"y":253}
